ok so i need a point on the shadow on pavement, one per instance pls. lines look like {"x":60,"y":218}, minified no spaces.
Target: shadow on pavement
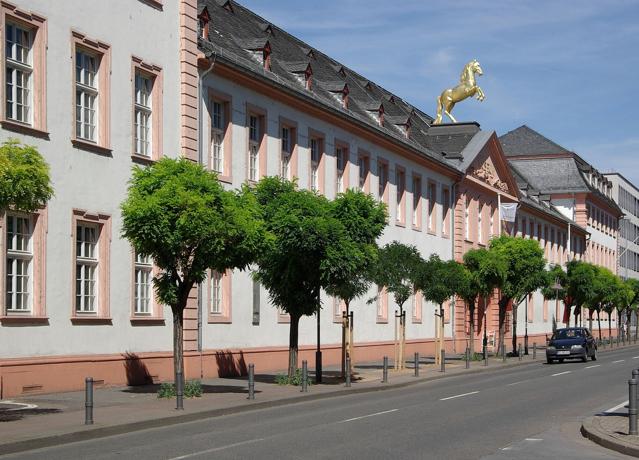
{"x":13,"y":415}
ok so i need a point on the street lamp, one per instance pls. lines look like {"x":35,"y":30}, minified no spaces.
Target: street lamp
{"x":526,"y":329}
{"x":556,"y":287}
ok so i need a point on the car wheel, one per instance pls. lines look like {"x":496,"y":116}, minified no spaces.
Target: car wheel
{"x":594,"y":355}
{"x":584,"y":358}
{"x":561,"y":360}
{"x":548,"y":360}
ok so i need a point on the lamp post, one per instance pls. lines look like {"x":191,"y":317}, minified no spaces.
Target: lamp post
{"x":526,"y":329}
{"x":556,"y":287}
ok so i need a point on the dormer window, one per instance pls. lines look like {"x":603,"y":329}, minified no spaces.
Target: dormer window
{"x":260,"y":49}
{"x":345,"y":97}
{"x":308,"y":78}
{"x":266,"y":56}
{"x":380,"y":115}
{"x":340,"y":91}
{"x":407,"y":128}
{"x":203,"y":24}
{"x":376,"y":111}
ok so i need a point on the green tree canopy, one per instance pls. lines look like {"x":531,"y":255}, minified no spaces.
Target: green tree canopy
{"x":397,"y":270}
{"x":177,"y":213}
{"x":440,"y":280}
{"x":524,"y":275}
{"x":25,"y":182}
{"x":581,"y":282}
{"x":348,"y":269}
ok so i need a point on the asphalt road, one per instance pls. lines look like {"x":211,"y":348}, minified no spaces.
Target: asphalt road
{"x":527,"y":412}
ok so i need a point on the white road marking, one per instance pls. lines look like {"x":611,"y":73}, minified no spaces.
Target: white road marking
{"x":635,"y":357}
{"x":618,"y":361}
{"x":614,"y":409}
{"x":561,"y":373}
{"x":216,"y":449}
{"x":533,"y":439}
{"x":459,"y":396}
{"x":515,"y":383}
{"x":23,"y":406}
{"x":369,"y":415}
{"x":506,"y":448}
{"x":594,"y":365}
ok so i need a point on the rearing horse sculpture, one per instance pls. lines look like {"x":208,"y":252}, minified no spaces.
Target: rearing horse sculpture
{"x":466,"y":88}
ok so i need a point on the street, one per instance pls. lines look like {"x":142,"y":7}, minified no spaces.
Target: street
{"x":525,"y":412}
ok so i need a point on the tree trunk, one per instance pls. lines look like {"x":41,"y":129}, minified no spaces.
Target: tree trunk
{"x":503,"y":303}
{"x":610,"y":327}
{"x":599,"y":323}
{"x":636,"y":326}
{"x":628,"y":325}
{"x":471,"y":327}
{"x":590,"y":319}
{"x":178,"y":353}
{"x":292,"y":344}
{"x":514,"y":334}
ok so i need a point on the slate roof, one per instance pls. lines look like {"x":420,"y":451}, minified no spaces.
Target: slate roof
{"x":233,"y":34}
{"x":525,"y":141}
{"x":552,"y":175}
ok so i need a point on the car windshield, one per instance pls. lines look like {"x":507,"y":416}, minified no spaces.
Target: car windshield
{"x":567,"y":334}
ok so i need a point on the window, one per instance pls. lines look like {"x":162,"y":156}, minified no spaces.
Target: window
{"x":216,"y":293}
{"x":400,"y":181}
{"x":382,"y":305}
{"x":23,"y":70}
{"x":363,"y":168}
{"x":143,"y":298}
{"x":467,"y":219}
{"x":340,"y":157}
{"x":480,"y":224}
{"x":91,"y":72}
{"x":417,"y":301}
{"x":288,"y":160}
{"x":315,"y":164}
{"x":417,"y":201}
{"x":255,"y":125}
{"x":446,"y":212}
{"x":432,"y":200}
{"x":382,"y":178}
{"x":19,"y":69}
{"x":92,"y":236}
{"x":219,"y":297}
{"x":86,"y":268}
{"x":143,"y":89}
{"x":217,"y":137}
{"x":19,"y":253}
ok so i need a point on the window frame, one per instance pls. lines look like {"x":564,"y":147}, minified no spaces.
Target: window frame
{"x":341,"y":180}
{"x":432,"y":208}
{"x":400,"y":195}
{"x":226,"y":131}
{"x":383,"y":166}
{"x":154,"y":73}
{"x":260,"y":144}
{"x":102,"y":51}
{"x":446,"y":212}
{"x":291,"y":155}
{"x":37,"y":312}
{"x":103,"y":224}
{"x":417,"y":203}
{"x":224,"y":316}
{"x":364,"y":162}
{"x":37,"y":26}
{"x":321,"y":164}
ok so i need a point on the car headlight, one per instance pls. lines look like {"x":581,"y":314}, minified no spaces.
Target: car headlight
{"x":576,"y":347}
{"x":551,"y":348}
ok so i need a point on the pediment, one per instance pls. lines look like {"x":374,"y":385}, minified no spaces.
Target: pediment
{"x":491,"y":167}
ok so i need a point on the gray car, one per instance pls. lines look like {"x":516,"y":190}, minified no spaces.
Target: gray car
{"x":571,"y":343}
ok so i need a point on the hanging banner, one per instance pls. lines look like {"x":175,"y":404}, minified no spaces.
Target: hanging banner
{"x":508,"y":211}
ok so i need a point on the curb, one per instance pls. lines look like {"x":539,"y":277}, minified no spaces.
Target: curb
{"x":591,"y":429}
{"x":102,"y":432}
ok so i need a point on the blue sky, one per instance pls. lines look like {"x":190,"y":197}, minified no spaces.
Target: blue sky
{"x":568,"y":69}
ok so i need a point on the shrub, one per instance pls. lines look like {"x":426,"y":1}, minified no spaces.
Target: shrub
{"x":192,"y":389}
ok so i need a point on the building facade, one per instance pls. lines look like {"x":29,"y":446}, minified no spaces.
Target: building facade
{"x":98,"y":90}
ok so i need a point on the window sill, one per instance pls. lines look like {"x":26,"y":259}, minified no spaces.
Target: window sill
{"x":432,"y":232}
{"x":382,"y":321}
{"x":24,"y":320}
{"x":154,"y":4}
{"x":91,"y":147}
{"x":400,"y":224}
{"x":417,"y":229}
{"x":146,"y":321}
{"x":219,"y":319}
{"x":445,"y":235}
{"x":225,"y":179}
{"x":417,"y":321}
{"x":91,"y":320}
{"x":24,"y":129}
{"x":283,"y":320}
{"x":142,"y":159}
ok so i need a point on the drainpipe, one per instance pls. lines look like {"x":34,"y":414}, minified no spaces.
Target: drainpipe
{"x":200,"y":159}
{"x":451,"y":203}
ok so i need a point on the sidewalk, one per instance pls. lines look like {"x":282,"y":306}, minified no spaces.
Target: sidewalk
{"x":52,"y":419}
{"x":611,"y":431}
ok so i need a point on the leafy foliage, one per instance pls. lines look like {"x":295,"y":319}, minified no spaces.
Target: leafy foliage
{"x":440,"y":280}
{"x":397,"y":270}
{"x":192,"y":389}
{"x":295,"y":379}
{"x":25,"y":182}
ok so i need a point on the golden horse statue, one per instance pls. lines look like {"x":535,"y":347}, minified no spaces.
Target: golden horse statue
{"x":466,"y":88}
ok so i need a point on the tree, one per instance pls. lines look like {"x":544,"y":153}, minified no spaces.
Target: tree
{"x":633,"y":284}
{"x":486,"y":272}
{"x":439,"y":281}
{"x":580,"y":281}
{"x":348,"y":270}
{"x":25,"y":182}
{"x":177,"y":213}
{"x":293,"y":268}
{"x":397,"y":270}
{"x":622,"y":298}
{"x":605,"y":291}
{"x":556,"y":288}
{"x":524,"y":275}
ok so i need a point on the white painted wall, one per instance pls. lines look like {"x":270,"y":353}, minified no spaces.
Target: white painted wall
{"x":93,"y":182}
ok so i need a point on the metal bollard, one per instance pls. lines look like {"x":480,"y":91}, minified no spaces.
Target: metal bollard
{"x":251,"y":382}
{"x":503,"y":352}
{"x":416,"y":364}
{"x":635,"y":376}
{"x":632,"y":407}
{"x":304,"y":376}
{"x":348,"y":371}
{"x":534,"y":350}
{"x":486,"y":357}
{"x":179,"y":391}
{"x":519,"y":355}
{"x":467,"y":358}
{"x":385,"y":370}
{"x":88,"y":401}
{"x":443,"y":360}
